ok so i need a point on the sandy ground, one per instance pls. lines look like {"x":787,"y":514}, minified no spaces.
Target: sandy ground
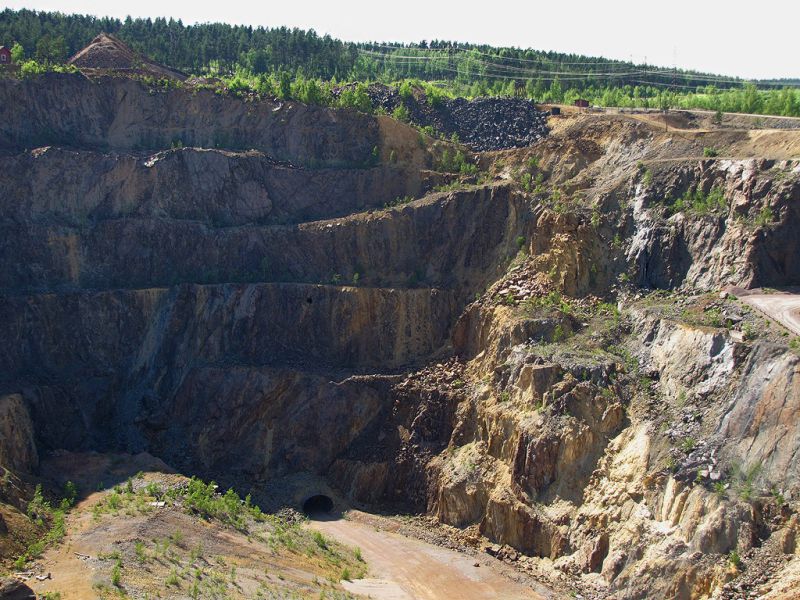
{"x":71,"y":575}
{"x":783,"y":306}
{"x":403,"y":568}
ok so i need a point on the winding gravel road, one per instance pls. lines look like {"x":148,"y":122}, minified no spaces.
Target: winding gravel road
{"x":782,"y":306}
{"x":404,"y":568}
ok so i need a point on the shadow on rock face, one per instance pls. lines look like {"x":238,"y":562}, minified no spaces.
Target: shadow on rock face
{"x":13,"y":589}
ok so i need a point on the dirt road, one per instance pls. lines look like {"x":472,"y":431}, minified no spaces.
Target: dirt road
{"x":783,"y":306}
{"x":403,"y":568}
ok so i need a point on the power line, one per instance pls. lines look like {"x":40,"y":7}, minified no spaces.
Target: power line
{"x":608,"y":61}
{"x":501,"y":71}
{"x":526,"y":73}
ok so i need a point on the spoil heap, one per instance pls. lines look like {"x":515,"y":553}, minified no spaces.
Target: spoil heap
{"x":108,"y":53}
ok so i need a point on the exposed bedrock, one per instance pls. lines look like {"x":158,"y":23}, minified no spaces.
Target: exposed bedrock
{"x":97,"y":359}
{"x":457,"y":240}
{"x":220,"y":188}
{"x":123,"y":114}
{"x":710,"y":251}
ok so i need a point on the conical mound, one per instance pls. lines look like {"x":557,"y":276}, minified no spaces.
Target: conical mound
{"x":108,"y":52}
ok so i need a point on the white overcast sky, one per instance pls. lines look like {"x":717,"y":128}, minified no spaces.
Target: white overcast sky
{"x":751,"y":39}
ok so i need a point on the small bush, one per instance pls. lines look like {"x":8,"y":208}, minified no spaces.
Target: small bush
{"x":719,"y":489}
{"x":455,"y":163}
{"x":735,"y":559}
{"x":744,"y":480}
{"x":355,"y":97}
{"x":688,"y":444}
{"x":765,"y":216}
{"x":116,"y":574}
{"x":749,"y":332}
{"x":139,"y":550}
{"x":401,"y":113}
{"x":700,"y":203}
{"x":406,"y":91}
{"x":172,"y":579}
{"x":319,"y":540}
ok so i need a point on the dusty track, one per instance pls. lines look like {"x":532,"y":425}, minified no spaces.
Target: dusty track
{"x":783,"y":306}
{"x":402,"y":568}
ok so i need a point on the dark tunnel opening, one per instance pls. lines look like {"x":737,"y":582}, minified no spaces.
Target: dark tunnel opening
{"x":318,"y":504}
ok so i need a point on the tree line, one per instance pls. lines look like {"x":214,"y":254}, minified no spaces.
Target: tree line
{"x":284,"y":58}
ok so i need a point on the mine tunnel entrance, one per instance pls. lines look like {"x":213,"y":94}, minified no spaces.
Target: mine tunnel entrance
{"x":318,"y":505}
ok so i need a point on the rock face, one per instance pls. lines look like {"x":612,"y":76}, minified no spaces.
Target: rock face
{"x":720,"y":249}
{"x":17,"y":445}
{"x":125,"y":115}
{"x":145,"y":291}
{"x":251,"y":311}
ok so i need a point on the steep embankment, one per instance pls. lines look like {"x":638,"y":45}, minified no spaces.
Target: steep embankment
{"x":124,"y":115}
{"x":144,"y":291}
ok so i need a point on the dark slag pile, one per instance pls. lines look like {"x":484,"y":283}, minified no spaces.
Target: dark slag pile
{"x":482,"y":124}
{"x":497,"y":123}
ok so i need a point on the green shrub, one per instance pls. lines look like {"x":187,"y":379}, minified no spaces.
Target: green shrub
{"x":749,"y":332}
{"x":139,"y":550}
{"x":319,"y":540}
{"x":70,"y":495}
{"x":698,"y":202}
{"x":406,"y":90}
{"x":38,"y":507}
{"x":744,"y":480}
{"x":202,"y":499}
{"x":355,"y":97}
{"x":735,"y":559}
{"x":455,"y":162}
{"x":719,"y":489}
{"x":765,"y":216}
{"x":401,"y":113}
{"x":172,"y":579}
{"x":525,"y":181}
{"x":116,"y":574}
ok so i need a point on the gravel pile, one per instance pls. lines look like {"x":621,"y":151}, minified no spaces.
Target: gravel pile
{"x":482,"y":124}
{"x":497,"y":123}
